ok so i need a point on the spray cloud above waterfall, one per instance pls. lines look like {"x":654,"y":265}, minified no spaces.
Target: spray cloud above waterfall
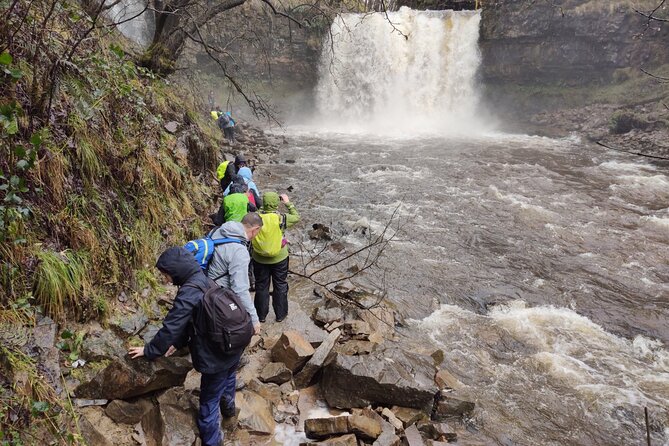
{"x":408,"y":71}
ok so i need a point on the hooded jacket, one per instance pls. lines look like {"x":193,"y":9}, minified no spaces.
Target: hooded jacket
{"x":178,"y":327}
{"x":229,"y":266}
{"x":271,"y":204}
{"x":244,"y":174}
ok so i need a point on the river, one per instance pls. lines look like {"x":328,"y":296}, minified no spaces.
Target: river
{"x":539,"y":266}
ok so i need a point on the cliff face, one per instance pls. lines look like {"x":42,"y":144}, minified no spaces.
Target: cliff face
{"x":567,"y":44}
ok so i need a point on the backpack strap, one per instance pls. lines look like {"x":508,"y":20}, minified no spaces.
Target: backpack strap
{"x":223,"y":241}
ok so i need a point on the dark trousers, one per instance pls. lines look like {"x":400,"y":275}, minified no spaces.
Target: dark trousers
{"x":229,"y":133}
{"x":278,"y":273}
{"x":216,"y":390}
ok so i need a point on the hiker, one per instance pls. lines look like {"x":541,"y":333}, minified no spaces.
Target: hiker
{"x":227,"y":124}
{"x":236,"y":204}
{"x":218,"y":366}
{"x":225,"y":172}
{"x":211,"y":99}
{"x":245,"y":174}
{"x":270,"y":256}
{"x":215,"y":113}
{"x":229,"y":265}
{"x":240,"y":161}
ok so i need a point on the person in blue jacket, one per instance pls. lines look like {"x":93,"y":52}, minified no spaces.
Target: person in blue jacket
{"x":218,"y":368}
{"x":229,"y":128}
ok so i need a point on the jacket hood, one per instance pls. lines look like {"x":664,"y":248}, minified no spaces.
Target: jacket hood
{"x":245,"y":173}
{"x":231,"y":229}
{"x":238,"y":185}
{"x":270,"y":201}
{"x":179,"y":264}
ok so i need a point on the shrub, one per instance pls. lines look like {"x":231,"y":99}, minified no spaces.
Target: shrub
{"x":624,"y":122}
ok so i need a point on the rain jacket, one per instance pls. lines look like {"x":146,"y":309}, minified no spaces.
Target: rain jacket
{"x":271,"y":204}
{"x":225,"y":173}
{"x":247,"y":176}
{"x":229,"y":266}
{"x":178,"y":329}
{"x":235,"y":206}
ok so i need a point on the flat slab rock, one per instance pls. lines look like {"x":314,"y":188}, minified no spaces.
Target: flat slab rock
{"x":386,"y":377}
{"x":126,"y":378}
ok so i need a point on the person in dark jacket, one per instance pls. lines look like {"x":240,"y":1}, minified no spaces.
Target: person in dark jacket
{"x":218,"y":368}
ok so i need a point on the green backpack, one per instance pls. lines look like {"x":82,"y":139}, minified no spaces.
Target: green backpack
{"x":269,"y":241}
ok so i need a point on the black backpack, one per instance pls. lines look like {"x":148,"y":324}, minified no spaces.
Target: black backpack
{"x":223,"y":120}
{"x":222,"y":318}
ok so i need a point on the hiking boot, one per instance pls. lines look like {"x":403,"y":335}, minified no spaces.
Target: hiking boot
{"x":228,"y":412}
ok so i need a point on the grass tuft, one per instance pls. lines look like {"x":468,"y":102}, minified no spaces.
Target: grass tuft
{"x":60,"y":281}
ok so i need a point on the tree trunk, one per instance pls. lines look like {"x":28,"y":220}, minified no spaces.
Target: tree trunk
{"x":168,"y":43}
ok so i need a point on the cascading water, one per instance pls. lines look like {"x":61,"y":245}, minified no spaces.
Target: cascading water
{"x":406,"y":70}
{"x":136,"y":25}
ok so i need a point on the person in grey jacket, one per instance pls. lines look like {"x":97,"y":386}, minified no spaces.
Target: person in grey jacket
{"x":229,"y":266}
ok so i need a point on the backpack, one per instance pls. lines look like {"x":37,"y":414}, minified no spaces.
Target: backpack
{"x":222,"y":319}
{"x":223,"y":120}
{"x":252,"y":198}
{"x":203,"y":248}
{"x":269,"y":241}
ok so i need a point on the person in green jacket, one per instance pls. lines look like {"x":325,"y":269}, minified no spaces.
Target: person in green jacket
{"x":235,"y":205}
{"x":270,"y":256}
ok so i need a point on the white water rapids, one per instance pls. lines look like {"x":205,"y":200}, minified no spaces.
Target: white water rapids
{"x":539,"y":266}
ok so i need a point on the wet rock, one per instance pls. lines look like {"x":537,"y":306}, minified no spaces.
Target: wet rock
{"x":326,"y":316}
{"x":126,"y":378}
{"x":364,"y":424}
{"x":438,"y":357}
{"x":319,"y":428}
{"x":392,"y":419}
{"x":79,"y":402}
{"x":290,"y":161}
{"x":192,"y":382}
{"x":413,"y":436}
{"x":297,"y":320}
{"x":172,"y":127}
{"x":387,"y":377}
{"x":320,"y":358}
{"x":354,"y":347}
{"x":320,"y":232}
{"x":128,"y":412}
{"x":450,"y":405}
{"x":102,"y":345}
{"x":150,"y":331}
{"x":275,"y":372}
{"x":129,"y":324}
{"x":344,"y":440}
{"x":437,"y":431}
{"x":271,"y":392}
{"x":178,"y":412}
{"x":45,"y":337}
{"x":409,"y":416}
{"x":445,"y":380}
{"x":255,"y":413}
{"x":99,"y":429}
{"x":388,"y":436}
{"x":292,"y":350}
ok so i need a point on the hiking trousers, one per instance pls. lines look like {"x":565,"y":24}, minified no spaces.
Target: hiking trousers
{"x":216,"y":390}
{"x":277,"y":273}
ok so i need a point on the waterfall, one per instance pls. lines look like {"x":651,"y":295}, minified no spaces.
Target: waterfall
{"x":404,"y":70}
{"x":135,"y":25}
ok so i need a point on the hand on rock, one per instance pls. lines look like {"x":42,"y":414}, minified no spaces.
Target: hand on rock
{"x":256,"y":328}
{"x":136,"y":352}
{"x":170,"y":351}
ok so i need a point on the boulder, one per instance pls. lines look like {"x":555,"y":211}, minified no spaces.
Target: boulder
{"x":192,"y":382}
{"x":386,"y":377}
{"x":128,"y":412}
{"x":356,"y":347}
{"x":292,"y":350}
{"x":450,"y":405}
{"x":320,"y":358}
{"x":445,"y":380}
{"x":127,"y":378}
{"x":102,"y":345}
{"x":255,"y":413}
{"x":275,"y":372}
{"x":150,"y":331}
{"x":172,"y":127}
{"x":413,"y":436}
{"x":98,"y":429}
{"x":437,"y":431}
{"x":319,"y":428}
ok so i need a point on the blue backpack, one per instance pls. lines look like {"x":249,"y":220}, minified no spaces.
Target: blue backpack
{"x":203,"y":248}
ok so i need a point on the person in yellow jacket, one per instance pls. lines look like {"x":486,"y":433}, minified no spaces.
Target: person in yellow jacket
{"x":270,"y":256}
